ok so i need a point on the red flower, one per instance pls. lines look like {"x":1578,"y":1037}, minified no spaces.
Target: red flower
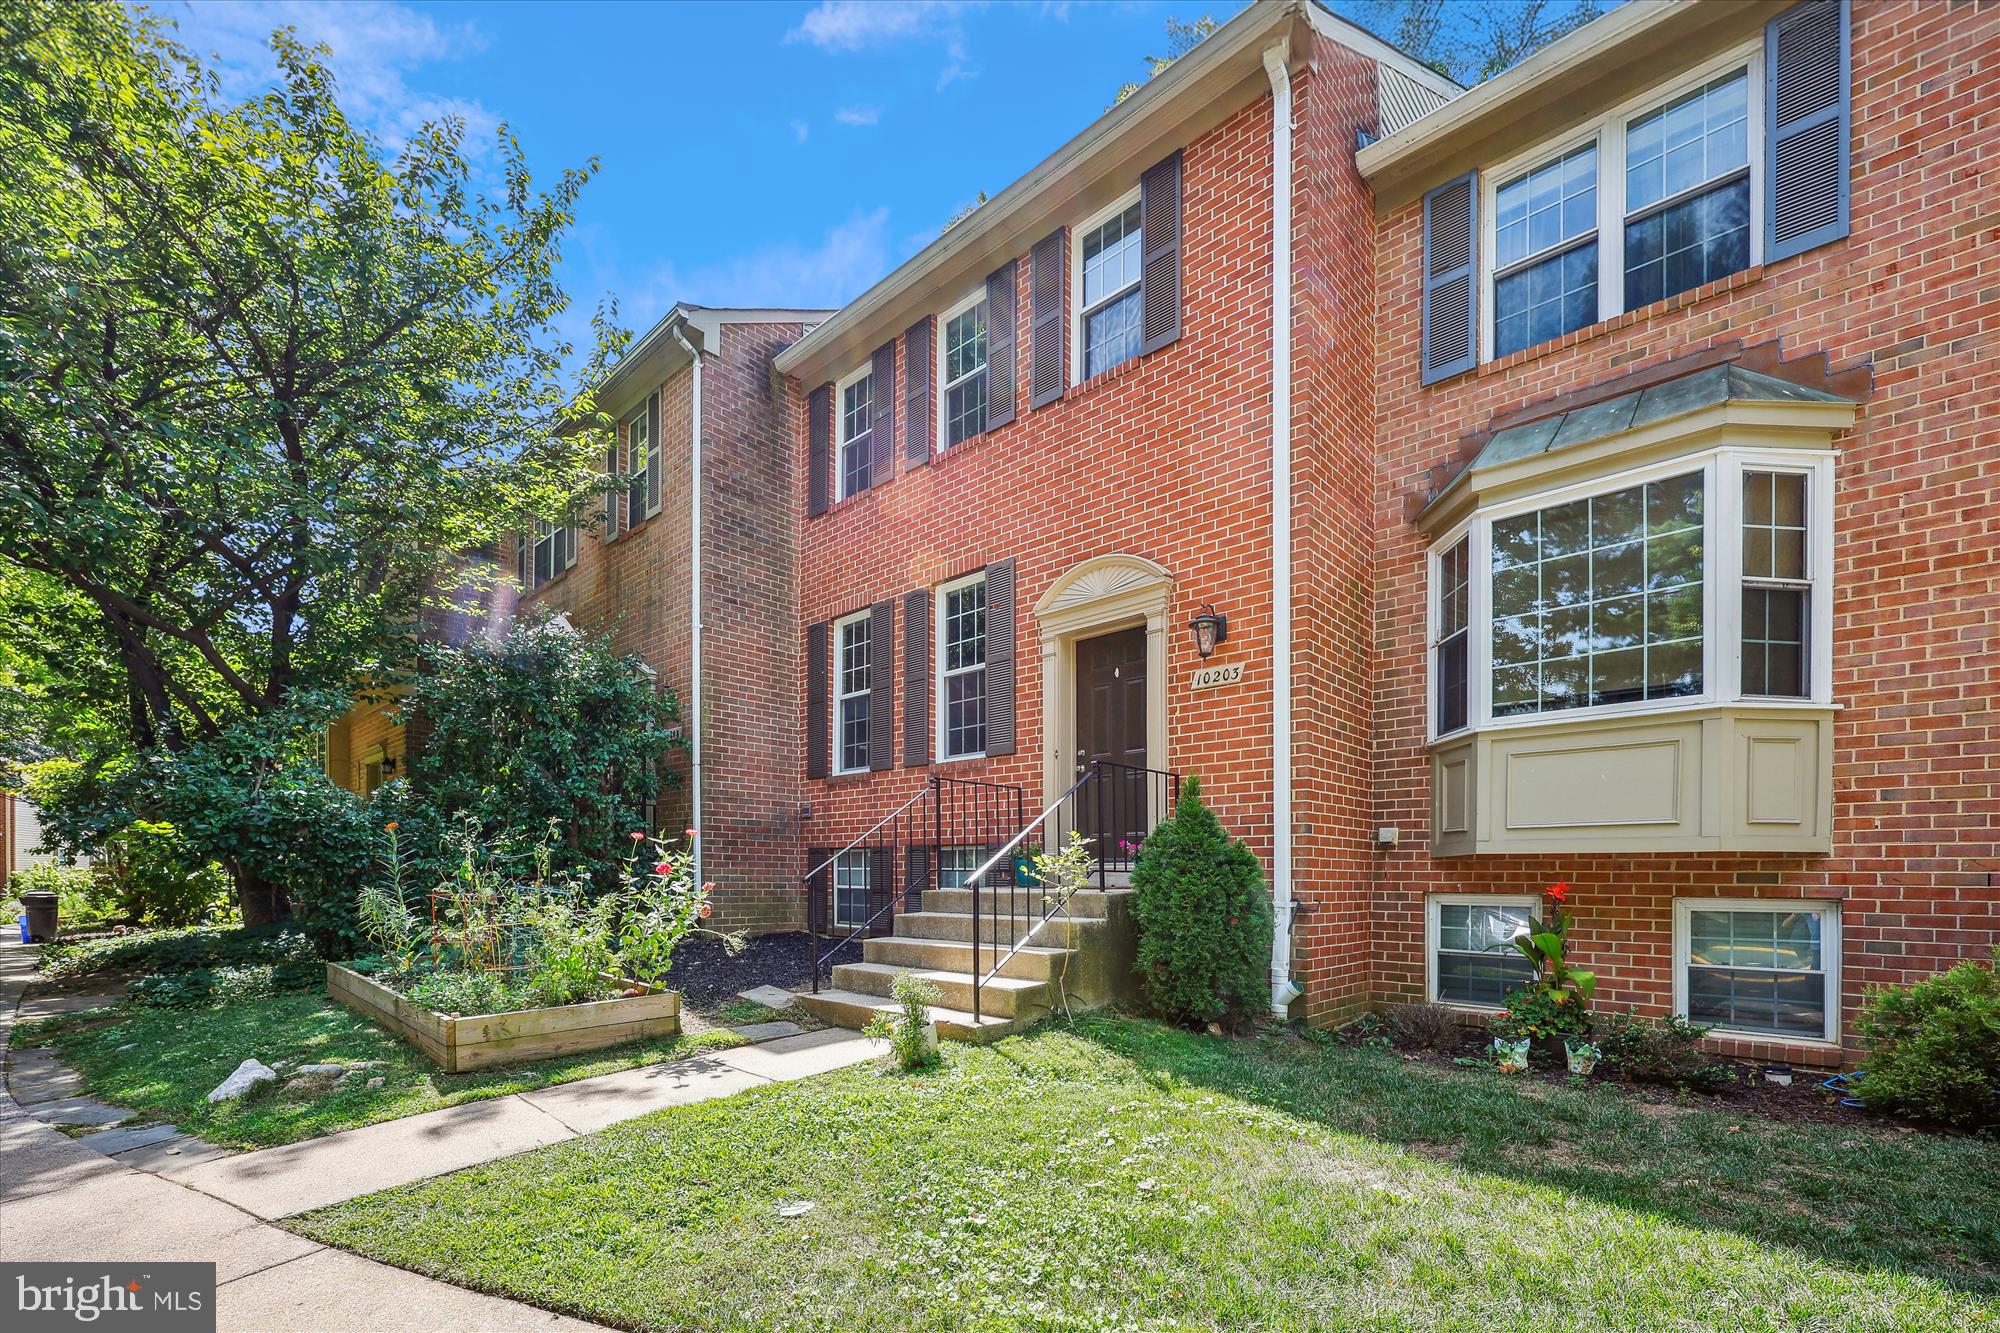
{"x":708,"y":887}
{"x":637,"y":835}
{"x":694,"y":833}
{"x":1559,"y":891}
{"x":707,"y":911}
{"x":663,"y":869}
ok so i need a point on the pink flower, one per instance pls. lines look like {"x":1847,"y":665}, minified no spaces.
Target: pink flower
{"x":637,"y":836}
{"x":708,"y":887}
{"x":707,"y":911}
{"x":663,"y":868}
{"x":694,"y":833}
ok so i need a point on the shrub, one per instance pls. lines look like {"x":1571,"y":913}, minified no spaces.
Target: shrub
{"x":202,"y":987}
{"x":83,"y":897}
{"x":905,"y":1031}
{"x":1542,"y":1012}
{"x":179,"y":951}
{"x":1204,"y":918}
{"x":157,"y":878}
{"x":1667,"y":1051}
{"x":1934,"y":1047}
{"x":1428,"y":1027}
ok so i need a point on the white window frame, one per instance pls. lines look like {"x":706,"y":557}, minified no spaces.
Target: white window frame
{"x":838,"y":767}
{"x":638,"y":461}
{"x":941,"y":673}
{"x":1077,"y":312}
{"x":1829,"y":942}
{"x":1434,"y":625}
{"x":1432,"y":925}
{"x":1609,"y":130}
{"x":944,"y":387}
{"x":841,"y":439}
{"x":847,"y":861}
{"x":1722,"y":586}
{"x":977,"y":854}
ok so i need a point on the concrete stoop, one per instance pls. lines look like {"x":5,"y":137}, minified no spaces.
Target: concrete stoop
{"x":1085,"y":952}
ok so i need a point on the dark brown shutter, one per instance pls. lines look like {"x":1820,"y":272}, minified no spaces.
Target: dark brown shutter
{"x":917,"y":414}
{"x":1047,"y":368}
{"x":819,"y":889}
{"x":917,"y":677}
{"x":1001,"y":367}
{"x":1000,"y":658}
{"x":916,"y":875}
{"x":883,"y":465}
{"x":1160,"y":255}
{"x":881,"y":889}
{"x":653,"y":451}
{"x":819,"y":448}
{"x":881,"y":686}
{"x":819,"y":653}
{"x":1807,"y":87}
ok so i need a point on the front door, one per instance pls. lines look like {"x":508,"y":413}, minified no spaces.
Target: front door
{"x":1111,"y":730}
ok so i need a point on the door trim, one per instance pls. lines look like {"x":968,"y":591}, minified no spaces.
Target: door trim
{"x":1105,"y":593}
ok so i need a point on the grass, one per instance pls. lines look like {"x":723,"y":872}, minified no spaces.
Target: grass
{"x":178,"y":1055}
{"x":1116,"y":1174}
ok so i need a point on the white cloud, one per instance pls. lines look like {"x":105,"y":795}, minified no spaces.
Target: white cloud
{"x":859,"y":25}
{"x":829,"y":273}
{"x":376,"y":46}
{"x":857,"y":115}
{"x":801,"y":131}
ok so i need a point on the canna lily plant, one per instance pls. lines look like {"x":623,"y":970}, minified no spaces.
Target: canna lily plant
{"x":1547,"y":947}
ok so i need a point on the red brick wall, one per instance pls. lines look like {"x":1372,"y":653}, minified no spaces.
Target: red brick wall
{"x":637,"y":588}
{"x":1916,"y":291}
{"x":1165,"y":457}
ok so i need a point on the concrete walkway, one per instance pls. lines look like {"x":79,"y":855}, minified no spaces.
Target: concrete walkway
{"x":61,"y":1199}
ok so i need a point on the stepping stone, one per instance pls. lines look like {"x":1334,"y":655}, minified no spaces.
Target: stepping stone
{"x":78,"y":1111}
{"x":113,"y":1141}
{"x":771,"y":997}
{"x":767,"y":1031}
{"x":181,"y":1150}
{"x":42,"y":1081}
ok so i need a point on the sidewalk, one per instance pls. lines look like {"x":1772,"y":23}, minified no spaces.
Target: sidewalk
{"x":61,"y":1199}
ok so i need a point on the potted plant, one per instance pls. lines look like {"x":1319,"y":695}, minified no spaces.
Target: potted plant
{"x":1582,"y":1054}
{"x":1553,"y":1012}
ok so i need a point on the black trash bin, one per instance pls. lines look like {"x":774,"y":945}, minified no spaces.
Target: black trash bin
{"x":41,"y":916}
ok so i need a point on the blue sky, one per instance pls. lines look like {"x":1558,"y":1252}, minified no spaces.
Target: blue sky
{"x":774,"y":153}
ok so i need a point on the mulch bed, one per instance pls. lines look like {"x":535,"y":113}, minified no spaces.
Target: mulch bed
{"x":1749,"y":1093}
{"x":708,"y":976}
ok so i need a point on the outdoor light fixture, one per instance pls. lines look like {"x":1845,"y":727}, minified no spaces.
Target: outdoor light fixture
{"x":1209,"y":629}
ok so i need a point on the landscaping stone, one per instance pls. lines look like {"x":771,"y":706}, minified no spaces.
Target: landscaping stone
{"x":767,"y":1031}
{"x":78,"y":1111}
{"x":309,"y":1070}
{"x":771,"y":997}
{"x":113,"y":1141}
{"x":375,"y":1082}
{"x":247,"y":1076}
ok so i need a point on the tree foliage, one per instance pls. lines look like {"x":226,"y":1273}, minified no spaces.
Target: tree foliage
{"x":258,"y":379}
{"x":1470,"y":41}
{"x":1204,"y":918}
{"x":1182,"y":37}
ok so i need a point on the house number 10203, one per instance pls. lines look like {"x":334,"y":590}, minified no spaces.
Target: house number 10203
{"x":1227,"y":673}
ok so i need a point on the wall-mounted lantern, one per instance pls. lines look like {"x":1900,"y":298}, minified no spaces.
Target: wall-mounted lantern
{"x":1209,"y":629}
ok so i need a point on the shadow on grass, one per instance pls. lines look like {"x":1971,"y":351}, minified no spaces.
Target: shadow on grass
{"x":1924,"y":1205}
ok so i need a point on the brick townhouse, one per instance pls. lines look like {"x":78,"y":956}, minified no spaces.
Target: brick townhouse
{"x":1600,"y":493}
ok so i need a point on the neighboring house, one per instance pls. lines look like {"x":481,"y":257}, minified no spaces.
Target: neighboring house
{"x":693,"y":568}
{"x":1540,"y":557}
{"x":20,"y":837}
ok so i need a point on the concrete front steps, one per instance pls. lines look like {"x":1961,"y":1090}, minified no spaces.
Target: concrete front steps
{"x":1087,"y":950}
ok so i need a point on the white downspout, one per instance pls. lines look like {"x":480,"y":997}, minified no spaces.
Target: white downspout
{"x":1283,"y":989}
{"x":694,"y":603}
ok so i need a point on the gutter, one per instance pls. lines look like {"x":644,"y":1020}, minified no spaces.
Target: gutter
{"x":1283,"y":989}
{"x":694,"y":597}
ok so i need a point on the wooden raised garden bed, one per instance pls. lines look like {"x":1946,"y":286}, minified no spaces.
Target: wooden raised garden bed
{"x":478,"y":1040}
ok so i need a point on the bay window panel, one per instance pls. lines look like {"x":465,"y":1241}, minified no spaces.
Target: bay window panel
{"x":1774,"y":642}
{"x":1451,"y":654}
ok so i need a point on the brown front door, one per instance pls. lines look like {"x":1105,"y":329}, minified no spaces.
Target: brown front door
{"x":1111,"y":729}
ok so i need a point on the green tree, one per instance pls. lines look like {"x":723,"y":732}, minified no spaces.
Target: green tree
{"x":1470,"y":41}
{"x":260,"y":380}
{"x":1182,"y":37}
{"x":1204,"y":918}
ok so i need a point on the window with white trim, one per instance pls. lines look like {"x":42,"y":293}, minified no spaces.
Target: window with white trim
{"x":1107,"y":286}
{"x":962,"y":668}
{"x":853,"y":669}
{"x":850,"y":888}
{"x":1761,"y":967}
{"x":956,"y":864}
{"x":856,"y":407}
{"x":1470,"y":957}
{"x":638,"y":457}
{"x":962,"y":357}
{"x":1689,"y":582}
{"x":552,"y":551}
{"x":1657,"y":197}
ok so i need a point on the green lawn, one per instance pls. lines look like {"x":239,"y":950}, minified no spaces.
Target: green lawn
{"x":1117,"y":1174}
{"x":177,"y":1055}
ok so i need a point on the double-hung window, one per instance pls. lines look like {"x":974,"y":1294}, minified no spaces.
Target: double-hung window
{"x":1545,"y":251}
{"x":1472,"y":960}
{"x":956,"y":864}
{"x":850,"y":888}
{"x":853,"y":669}
{"x":964,"y":360}
{"x":962,"y":668}
{"x":1107,"y":279}
{"x":553,"y":551}
{"x":1764,"y":967}
{"x":856,"y":409}
{"x":1683,"y":583}
{"x":1687,"y":191}
{"x":638,"y":459}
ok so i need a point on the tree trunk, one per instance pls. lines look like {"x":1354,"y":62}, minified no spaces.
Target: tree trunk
{"x":261,"y":902}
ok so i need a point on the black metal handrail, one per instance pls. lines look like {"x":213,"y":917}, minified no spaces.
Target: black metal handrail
{"x":820,"y":960}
